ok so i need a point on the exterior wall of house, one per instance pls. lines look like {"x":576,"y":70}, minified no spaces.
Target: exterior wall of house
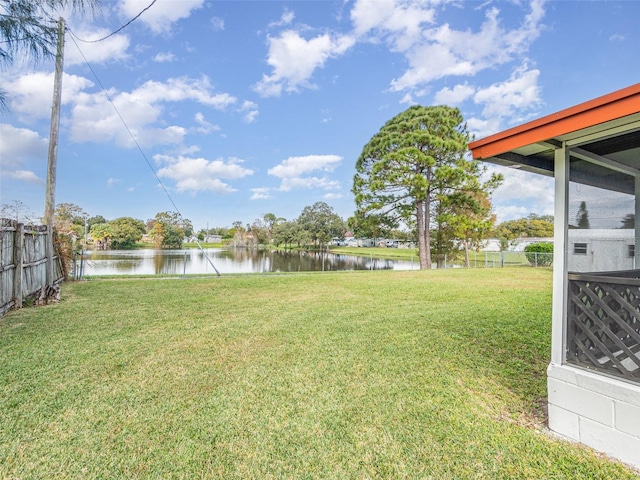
{"x":601,"y":250}
{"x":597,"y":410}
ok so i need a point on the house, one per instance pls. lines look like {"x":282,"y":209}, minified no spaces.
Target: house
{"x":593,"y":152}
{"x":601,"y":250}
{"x":365,"y":242}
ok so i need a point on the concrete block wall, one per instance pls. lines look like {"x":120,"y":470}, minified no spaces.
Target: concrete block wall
{"x":596,"y":410}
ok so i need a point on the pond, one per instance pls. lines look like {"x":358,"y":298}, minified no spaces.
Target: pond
{"x":226,"y":260}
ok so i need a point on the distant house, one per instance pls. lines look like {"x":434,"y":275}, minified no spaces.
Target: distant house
{"x":365,"y":242}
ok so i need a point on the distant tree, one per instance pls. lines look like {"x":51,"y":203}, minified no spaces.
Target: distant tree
{"x":18,"y":211}
{"x":261,"y":231}
{"x":629,"y":221}
{"x":126,"y":232}
{"x":236,"y":231}
{"x":95,"y":220}
{"x":371,"y":225}
{"x":582,"y":218}
{"x":101,"y":234}
{"x":469,"y":219}
{"x":70,"y":212}
{"x":69,"y":219}
{"x":543,"y":218}
{"x":321,"y":223}
{"x":169,"y":230}
{"x":405,"y":169}
{"x":289,"y":233}
{"x":532,"y":226}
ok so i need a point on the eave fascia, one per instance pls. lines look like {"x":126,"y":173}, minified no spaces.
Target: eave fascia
{"x":612,"y":106}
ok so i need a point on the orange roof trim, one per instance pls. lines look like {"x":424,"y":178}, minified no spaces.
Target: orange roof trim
{"x":599,"y":110}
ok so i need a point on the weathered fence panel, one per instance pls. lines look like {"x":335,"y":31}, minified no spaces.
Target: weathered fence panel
{"x":23,"y":263}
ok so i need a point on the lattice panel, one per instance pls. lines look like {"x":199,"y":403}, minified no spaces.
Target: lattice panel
{"x":604,"y":326}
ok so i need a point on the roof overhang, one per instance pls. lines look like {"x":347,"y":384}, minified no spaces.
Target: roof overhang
{"x":601,"y":133}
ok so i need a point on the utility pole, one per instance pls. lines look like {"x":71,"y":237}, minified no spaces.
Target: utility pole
{"x":50,"y":197}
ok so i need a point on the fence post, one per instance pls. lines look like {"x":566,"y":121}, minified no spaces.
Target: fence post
{"x":18,"y":247}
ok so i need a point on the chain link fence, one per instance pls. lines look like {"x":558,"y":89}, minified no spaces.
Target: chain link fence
{"x":499,"y":259}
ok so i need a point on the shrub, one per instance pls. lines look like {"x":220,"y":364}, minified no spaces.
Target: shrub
{"x":539,"y":254}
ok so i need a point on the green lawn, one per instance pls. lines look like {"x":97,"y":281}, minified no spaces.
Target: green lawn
{"x":477,"y":259}
{"x":437,"y":374}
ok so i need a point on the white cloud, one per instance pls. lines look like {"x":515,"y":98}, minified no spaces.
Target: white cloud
{"x":198,"y":174}
{"x":505,"y":213}
{"x":286,"y":19}
{"x":261,"y":193}
{"x":401,"y":22}
{"x":293,"y":171}
{"x":164,"y":57}
{"x":512,"y":97}
{"x":205,"y":127}
{"x":294,"y":59}
{"x":332,"y":196}
{"x":81,"y":49}
{"x":296,"y":166}
{"x":250,"y":110}
{"x":522,"y":193}
{"x":481,"y":128}
{"x":161,"y":16}
{"x":23,"y":176}
{"x":454,"y":96}
{"x":31,"y":95}
{"x":183,"y":88}
{"x":20,"y":144}
{"x":112,"y":181}
{"x":308,"y":183}
{"x":442,"y":51}
{"x":407,"y":99}
{"x":217,"y":24}
{"x":94,"y":119}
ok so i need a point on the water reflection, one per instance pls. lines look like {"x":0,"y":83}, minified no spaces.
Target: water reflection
{"x":192,"y":261}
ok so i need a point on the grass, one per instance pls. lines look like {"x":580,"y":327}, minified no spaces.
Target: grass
{"x":361,"y":375}
{"x":477,"y":259}
{"x":379,"y":252}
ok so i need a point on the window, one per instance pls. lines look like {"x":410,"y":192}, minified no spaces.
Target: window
{"x":632,"y":251}
{"x":579,"y":248}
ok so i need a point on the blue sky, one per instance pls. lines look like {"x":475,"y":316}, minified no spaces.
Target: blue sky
{"x":247,"y":108}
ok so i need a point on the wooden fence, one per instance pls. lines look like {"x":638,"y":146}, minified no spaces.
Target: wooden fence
{"x":23,"y":263}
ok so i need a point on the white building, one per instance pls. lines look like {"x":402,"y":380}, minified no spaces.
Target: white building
{"x":601,"y":250}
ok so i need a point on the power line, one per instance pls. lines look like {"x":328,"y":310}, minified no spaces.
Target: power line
{"x":135,"y":141}
{"x":116,"y":31}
